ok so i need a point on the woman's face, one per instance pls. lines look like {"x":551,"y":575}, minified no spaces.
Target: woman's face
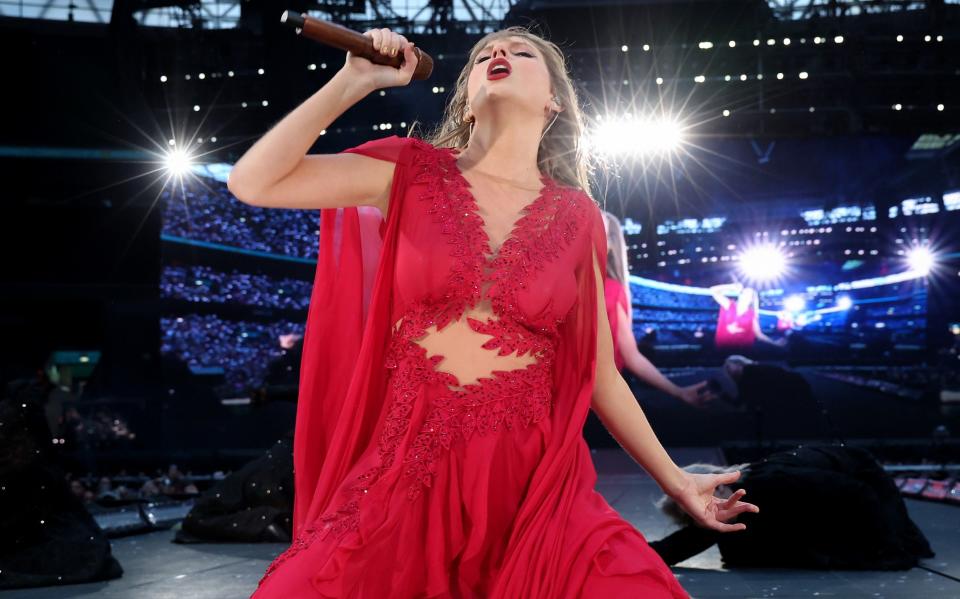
{"x":525,"y":89}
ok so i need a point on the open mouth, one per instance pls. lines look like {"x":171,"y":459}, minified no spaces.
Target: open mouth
{"x":498,"y":69}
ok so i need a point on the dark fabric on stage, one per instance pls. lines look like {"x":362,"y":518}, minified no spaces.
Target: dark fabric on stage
{"x":47,"y":537}
{"x":253,"y":504}
{"x":822,"y":507}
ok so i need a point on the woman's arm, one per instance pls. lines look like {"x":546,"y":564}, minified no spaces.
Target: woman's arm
{"x":619,"y":411}
{"x":276,"y":171}
{"x":719,"y":293}
{"x":761,"y":336}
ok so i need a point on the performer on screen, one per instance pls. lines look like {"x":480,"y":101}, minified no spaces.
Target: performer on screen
{"x":617,"y":296}
{"x":439,"y":448}
{"x":738,"y":323}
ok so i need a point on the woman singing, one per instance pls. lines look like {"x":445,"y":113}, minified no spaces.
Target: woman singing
{"x":454,"y":347}
{"x":617,"y":296}
{"x":738,"y":322}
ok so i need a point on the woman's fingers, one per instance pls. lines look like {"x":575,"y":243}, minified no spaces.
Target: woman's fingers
{"x":733,"y":499}
{"x":377,"y":36}
{"x":728,"y":477}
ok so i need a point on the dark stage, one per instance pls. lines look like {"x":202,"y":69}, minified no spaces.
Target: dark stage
{"x":155,"y":568}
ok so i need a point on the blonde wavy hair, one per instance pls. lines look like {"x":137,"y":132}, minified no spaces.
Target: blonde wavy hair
{"x":562,"y":155}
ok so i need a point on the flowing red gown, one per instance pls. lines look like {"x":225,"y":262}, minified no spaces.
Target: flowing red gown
{"x":423,"y":473}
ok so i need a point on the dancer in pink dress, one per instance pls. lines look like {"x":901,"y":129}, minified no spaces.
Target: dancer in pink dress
{"x":454,"y":346}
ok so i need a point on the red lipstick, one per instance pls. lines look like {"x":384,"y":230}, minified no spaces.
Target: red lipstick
{"x":503,"y":71}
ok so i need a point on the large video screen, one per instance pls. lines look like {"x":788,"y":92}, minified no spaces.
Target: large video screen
{"x":833,"y":286}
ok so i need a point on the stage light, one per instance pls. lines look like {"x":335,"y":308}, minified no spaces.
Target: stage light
{"x":940,"y":107}
{"x":260,"y":71}
{"x":635,"y":136}
{"x":726,"y":113}
{"x":762,"y":263}
{"x":659,"y":80}
{"x":803,"y":74}
{"x":795,"y":303}
{"x":202,"y":76}
{"x":779,"y":75}
{"x":733,"y":44}
{"x":705,"y":45}
{"x":926,"y":38}
{"x":920,"y":260}
{"x":177,"y":162}
{"x":899,"y":38}
{"x":624,"y":48}
{"x":646,"y":47}
{"x":196,"y":108}
{"x":163,"y":78}
{"x":756,"y":42}
{"x":786,"y":41}
{"x":229,"y":73}
{"x":844,"y":302}
{"x":838,"y":39}
{"x":699,"y":78}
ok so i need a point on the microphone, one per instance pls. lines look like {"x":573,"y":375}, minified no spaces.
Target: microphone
{"x":349,"y":40}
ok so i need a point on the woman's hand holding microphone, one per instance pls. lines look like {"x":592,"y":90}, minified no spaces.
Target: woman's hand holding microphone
{"x":375,"y":76}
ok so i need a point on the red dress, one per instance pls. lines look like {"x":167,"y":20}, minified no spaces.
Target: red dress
{"x":735,"y":331}
{"x":439,"y":448}
{"x":615,"y":297}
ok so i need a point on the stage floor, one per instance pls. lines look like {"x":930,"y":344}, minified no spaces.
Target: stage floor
{"x":155,"y":568}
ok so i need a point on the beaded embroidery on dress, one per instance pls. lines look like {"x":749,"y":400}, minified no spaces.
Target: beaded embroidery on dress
{"x":484,"y":365}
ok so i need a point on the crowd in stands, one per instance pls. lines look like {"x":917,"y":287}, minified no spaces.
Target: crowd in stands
{"x":206,"y":211}
{"x":203,"y":284}
{"x":243,"y":349}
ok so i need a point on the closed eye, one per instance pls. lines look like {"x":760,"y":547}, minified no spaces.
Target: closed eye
{"x":521,"y":53}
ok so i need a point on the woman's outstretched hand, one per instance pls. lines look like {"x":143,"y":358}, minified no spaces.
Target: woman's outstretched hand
{"x":696,"y":497}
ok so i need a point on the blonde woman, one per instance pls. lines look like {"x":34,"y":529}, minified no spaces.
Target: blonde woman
{"x":454,"y":347}
{"x":617,"y":296}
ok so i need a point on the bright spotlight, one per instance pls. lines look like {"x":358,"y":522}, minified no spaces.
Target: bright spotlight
{"x":844,"y":302}
{"x":794,"y":303}
{"x":920,"y":260}
{"x":635,"y":136}
{"x":762,"y":263}
{"x":177,"y":163}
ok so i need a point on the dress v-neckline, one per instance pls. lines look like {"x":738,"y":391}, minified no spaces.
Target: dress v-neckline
{"x":525,"y":212}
